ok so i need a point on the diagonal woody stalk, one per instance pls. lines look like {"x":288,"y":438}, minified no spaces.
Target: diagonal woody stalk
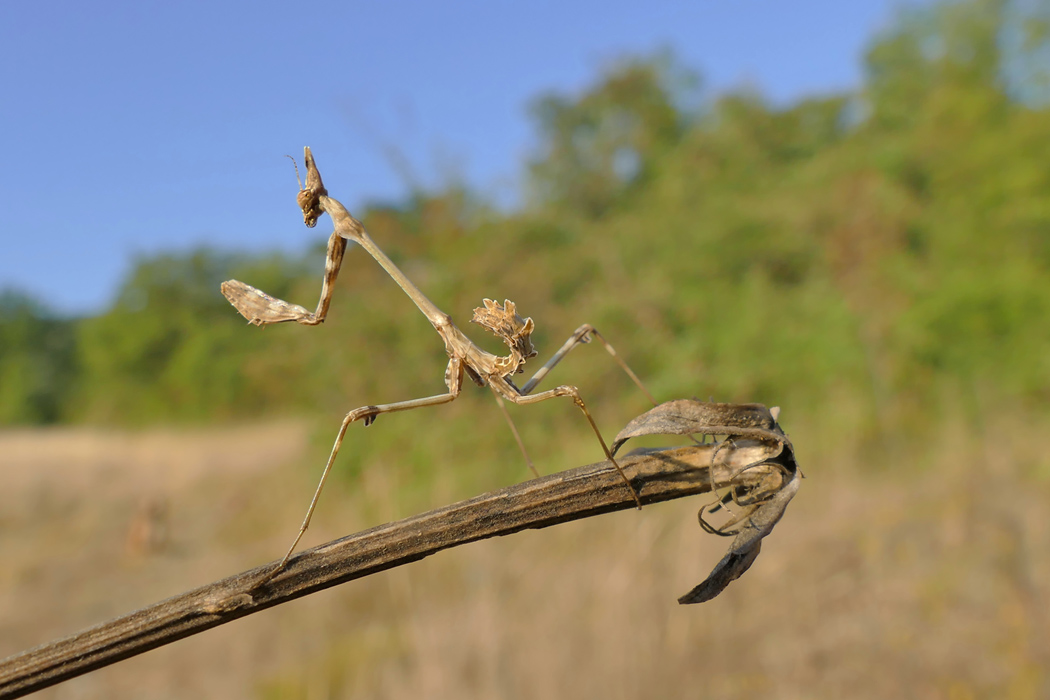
{"x":744,"y":465}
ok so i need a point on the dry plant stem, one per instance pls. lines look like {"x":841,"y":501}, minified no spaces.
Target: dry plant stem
{"x":563,"y":497}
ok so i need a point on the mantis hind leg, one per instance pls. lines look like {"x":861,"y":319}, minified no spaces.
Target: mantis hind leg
{"x":522,"y":399}
{"x":582,"y":335}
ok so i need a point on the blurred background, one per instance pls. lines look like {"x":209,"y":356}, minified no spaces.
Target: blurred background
{"x":839,"y":208}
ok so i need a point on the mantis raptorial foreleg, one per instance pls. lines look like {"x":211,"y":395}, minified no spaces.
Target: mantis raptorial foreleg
{"x":261,"y":309}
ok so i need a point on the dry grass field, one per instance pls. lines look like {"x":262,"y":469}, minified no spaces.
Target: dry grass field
{"x":923,"y":580}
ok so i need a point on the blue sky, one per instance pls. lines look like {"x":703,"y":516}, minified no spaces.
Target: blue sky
{"x":132,"y":128}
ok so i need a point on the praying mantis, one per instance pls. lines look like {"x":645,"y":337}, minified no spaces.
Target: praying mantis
{"x":465,"y":358}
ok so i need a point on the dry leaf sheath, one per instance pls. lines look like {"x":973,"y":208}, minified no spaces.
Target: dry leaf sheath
{"x":465,"y":358}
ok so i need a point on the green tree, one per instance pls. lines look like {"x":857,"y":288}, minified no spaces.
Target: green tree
{"x":165,"y":350}
{"x":598,"y":146}
{"x":37,"y":361}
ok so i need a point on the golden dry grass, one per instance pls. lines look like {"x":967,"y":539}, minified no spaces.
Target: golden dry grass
{"x":923,"y":583}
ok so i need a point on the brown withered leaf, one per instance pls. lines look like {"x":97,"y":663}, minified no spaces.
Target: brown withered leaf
{"x":690,"y":417}
{"x":746,"y":545}
{"x":743,"y":424}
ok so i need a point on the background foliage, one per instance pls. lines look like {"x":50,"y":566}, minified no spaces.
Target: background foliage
{"x":872,"y":261}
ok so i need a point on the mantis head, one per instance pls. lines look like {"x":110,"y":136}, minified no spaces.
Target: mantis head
{"x":309,"y":197}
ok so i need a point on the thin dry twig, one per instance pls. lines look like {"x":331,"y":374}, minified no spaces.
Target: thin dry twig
{"x":747,"y":465}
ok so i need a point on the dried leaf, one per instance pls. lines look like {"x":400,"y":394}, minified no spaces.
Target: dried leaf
{"x":689,"y":417}
{"x":751,"y":426}
{"x":747,"y":544}
{"x":732,"y":567}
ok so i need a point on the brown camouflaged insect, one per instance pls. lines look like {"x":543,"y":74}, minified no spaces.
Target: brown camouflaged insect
{"x":483,"y":368}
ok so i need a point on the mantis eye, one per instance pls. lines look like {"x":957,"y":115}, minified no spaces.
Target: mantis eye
{"x":310,"y":202}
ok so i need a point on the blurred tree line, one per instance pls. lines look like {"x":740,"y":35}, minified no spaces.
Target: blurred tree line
{"x":872,"y":259}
